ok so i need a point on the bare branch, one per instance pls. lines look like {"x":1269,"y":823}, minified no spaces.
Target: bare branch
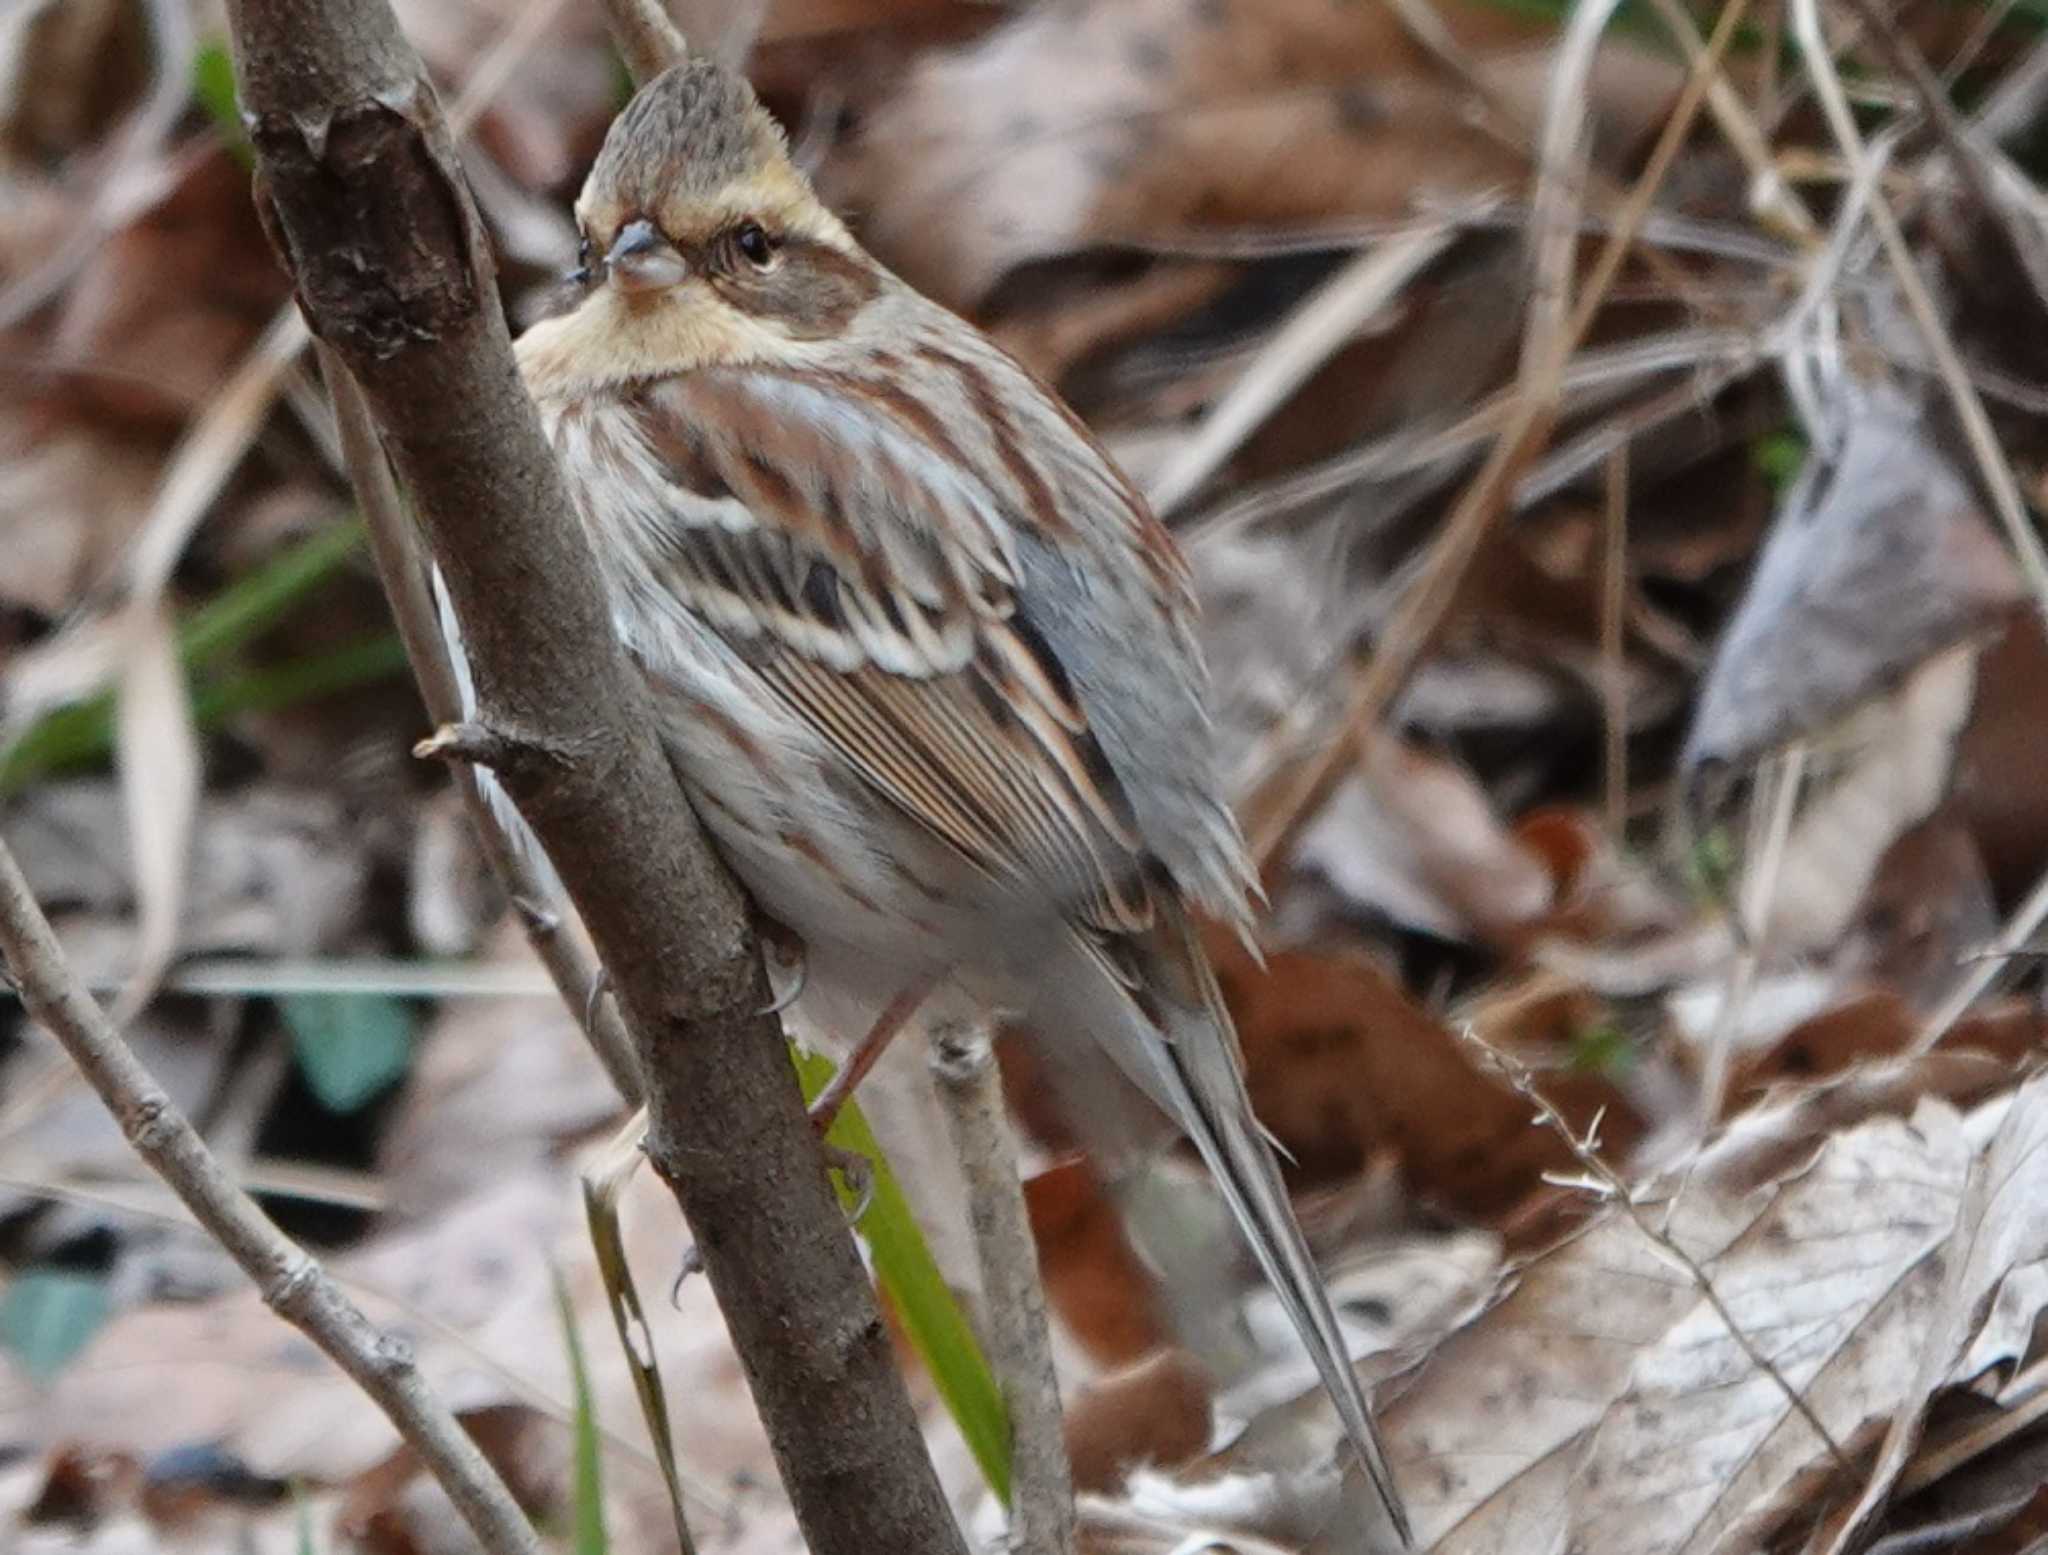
{"x":1020,"y":1346}
{"x":646,"y":37}
{"x":368,"y":207}
{"x":395,"y":545}
{"x":291,"y":1282}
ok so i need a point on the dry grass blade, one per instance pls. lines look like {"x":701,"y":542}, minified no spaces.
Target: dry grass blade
{"x":1281,"y":804}
{"x":131,"y":179}
{"x":1613,"y":621}
{"x":647,"y":37}
{"x":1773,"y":803}
{"x":210,"y":452}
{"x":158,"y":750}
{"x":2016,"y":100}
{"x":1948,"y":363}
{"x":604,"y":1178}
{"x":1774,"y":199}
{"x":1986,"y":968}
{"x":1975,"y":161}
{"x":1315,"y":332}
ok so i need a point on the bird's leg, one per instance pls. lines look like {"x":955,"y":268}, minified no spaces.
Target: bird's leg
{"x":895,"y":1015}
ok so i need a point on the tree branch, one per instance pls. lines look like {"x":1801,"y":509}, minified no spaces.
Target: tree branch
{"x":646,"y":37}
{"x":291,"y":1282}
{"x":1020,"y":1344}
{"x":366,"y":203}
{"x":395,"y":546}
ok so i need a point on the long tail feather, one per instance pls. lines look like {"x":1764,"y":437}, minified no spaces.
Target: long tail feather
{"x":1197,"y":1075}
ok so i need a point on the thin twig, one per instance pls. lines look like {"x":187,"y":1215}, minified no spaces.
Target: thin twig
{"x":646,"y":37}
{"x":174,"y":1216}
{"x":1948,"y":362}
{"x":1020,"y":1344}
{"x":394,"y":544}
{"x":291,"y":1283}
{"x":1613,"y":608}
{"x":1974,"y":161}
{"x":1585,"y":1150}
{"x":1986,"y":968}
{"x":1324,"y":323}
{"x":1773,"y":802}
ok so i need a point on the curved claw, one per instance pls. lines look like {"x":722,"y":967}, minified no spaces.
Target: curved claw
{"x":693,"y":1263}
{"x":795,"y":990}
{"x":600,"y":985}
{"x":859,"y":1173}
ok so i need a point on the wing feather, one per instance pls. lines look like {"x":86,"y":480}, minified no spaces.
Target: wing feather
{"x":870,"y":579}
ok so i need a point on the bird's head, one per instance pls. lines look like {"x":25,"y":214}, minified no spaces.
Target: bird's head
{"x":701,"y":242}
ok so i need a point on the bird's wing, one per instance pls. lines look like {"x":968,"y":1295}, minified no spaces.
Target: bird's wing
{"x":864,"y":565}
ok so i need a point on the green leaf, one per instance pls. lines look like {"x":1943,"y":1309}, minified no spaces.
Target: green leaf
{"x":82,"y":731}
{"x":1779,"y":457}
{"x":48,"y":1315}
{"x":588,"y":1482}
{"x":213,"y":88}
{"x":350,"y":1046}
{"x":938,"y":1329}
{"x":1710,"y":865}
{"x":1602,"y":1048}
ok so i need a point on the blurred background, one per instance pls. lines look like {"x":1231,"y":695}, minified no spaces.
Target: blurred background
{"x":1608,"y":461}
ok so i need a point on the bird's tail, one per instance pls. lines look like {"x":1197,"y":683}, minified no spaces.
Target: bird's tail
{"x":1196,"y":1074}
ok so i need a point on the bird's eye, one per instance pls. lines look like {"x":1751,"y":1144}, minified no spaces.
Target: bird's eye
{"x":586,"y":255}
{"x":754,"y":244}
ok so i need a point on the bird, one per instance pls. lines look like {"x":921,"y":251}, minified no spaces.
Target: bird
{"x":923,"y":659}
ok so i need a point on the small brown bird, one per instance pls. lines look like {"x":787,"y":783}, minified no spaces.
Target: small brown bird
{"x":924,"y":659}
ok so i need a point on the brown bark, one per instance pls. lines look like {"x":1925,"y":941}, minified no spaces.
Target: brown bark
{"x":365,"y":201}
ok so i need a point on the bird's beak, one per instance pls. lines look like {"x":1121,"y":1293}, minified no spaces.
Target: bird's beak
{"x":642,"y":260}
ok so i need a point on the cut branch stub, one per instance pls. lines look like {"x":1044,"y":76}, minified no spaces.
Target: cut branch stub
{"x":370,"y":182}
{"x":523,"y":765}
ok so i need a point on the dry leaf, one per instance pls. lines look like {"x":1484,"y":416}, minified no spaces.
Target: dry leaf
{"x":1880,"y":559}
{"x":1153,"y":117}
{"x":158,"y":748}
{"x":1605,"y":1404}
{"x":1344,"y":1067}
{"x":1413,"y":838}
{"x":1891,"y":764}
{"x":2001,"y":1227}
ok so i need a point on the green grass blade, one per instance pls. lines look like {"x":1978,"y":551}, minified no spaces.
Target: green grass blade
{"x":213,"y":88}
{"x":83,"y":731}
{"x":588,"y":1481}
{"x":938,"y":1329}
{"x":250,"y":604}
{"x":299,"y":680}
{"x":303,"y":1512}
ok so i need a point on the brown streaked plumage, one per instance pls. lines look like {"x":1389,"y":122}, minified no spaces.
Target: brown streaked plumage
{"x":924,"y":657}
